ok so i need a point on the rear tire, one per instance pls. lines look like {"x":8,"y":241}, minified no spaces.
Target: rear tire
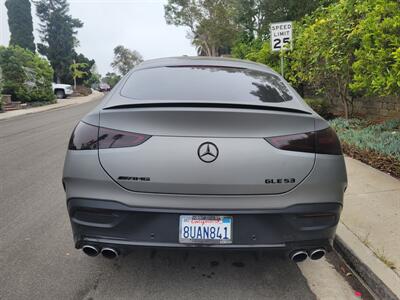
{"x":60,"y":94}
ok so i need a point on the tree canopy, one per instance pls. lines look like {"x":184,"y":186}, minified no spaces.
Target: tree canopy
{"x":58,"y":35}
{"x":20,"y":24}
{"x":377,"y":60}
{"x":349,"y":48}
{"x":210,"y":22}
{"x":324,"y":50}
{"x":111,"y":79}
{"x":125,"y":59}
{"x":343,"y":50}
{"x":216,"y":26}
{"x":86,"y":66}
{"x":77,"y":70}
{"x":255,"y":16}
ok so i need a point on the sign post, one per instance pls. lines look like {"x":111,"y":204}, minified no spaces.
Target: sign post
{"x":281,"y":37}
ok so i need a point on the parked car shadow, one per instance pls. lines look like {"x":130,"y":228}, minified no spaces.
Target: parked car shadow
{"x":196,"y":274}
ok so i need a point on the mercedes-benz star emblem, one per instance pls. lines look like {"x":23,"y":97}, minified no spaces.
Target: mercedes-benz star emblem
{"x":208,"y":152}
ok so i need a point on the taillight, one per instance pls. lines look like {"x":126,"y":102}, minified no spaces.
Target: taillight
{"x":328,"y":142}
{"x":303,"y":142}
{"x":111,"y":138}
{"x":90,"y":137}
{"x":84,"y":137}
{"x":323,"y":141}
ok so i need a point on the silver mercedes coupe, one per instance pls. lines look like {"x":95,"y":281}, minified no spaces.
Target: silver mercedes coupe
{"x":204,"y":152}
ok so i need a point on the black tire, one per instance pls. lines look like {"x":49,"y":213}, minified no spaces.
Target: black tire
{"x":60,"y":94}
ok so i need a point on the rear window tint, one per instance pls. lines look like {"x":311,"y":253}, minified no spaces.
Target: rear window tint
{"x":205,"y":83}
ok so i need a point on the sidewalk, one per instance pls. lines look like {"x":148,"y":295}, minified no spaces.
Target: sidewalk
{"x":370,"y":221}
{"x":60,"y":103}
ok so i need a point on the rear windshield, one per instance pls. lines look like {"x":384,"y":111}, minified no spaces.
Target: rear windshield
{"x":205,"y":83}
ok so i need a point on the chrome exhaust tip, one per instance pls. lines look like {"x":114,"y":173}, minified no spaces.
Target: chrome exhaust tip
{"x":90,"y":250}
{"x":317,"y":253}
{"x":109,"y":253}
{"x":299,"y":256}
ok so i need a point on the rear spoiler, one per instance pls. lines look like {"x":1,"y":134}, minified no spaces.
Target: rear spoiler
{"x":209,"y":105}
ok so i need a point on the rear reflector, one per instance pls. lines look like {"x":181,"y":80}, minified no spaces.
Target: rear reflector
{"x":90,"y":137}
{"x":323,"y":142}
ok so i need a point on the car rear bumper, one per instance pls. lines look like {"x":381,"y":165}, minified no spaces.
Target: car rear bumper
{"x":110,"y":223}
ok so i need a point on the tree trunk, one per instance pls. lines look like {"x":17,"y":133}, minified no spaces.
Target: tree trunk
{"x":346,"y":108}
{"x":214,"y":51}
{"x":207,"y":48}
{"x":74,"y":83}
{"x":343,"y":98}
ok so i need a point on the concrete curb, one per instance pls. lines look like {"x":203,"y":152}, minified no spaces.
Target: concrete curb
{"x":64,"y":103}
{"x":383,"y":281}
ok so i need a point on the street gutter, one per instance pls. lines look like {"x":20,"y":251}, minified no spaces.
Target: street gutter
{"x":382,"y":281}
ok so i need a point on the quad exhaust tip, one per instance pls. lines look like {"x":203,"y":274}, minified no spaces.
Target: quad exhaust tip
{"x":317,"y":253}
{"x":109,"y":253}
{"x":90,"y":250}
{"x":299,"y":256}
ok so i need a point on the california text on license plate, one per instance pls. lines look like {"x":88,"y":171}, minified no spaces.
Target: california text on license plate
{"x":205,"y":229}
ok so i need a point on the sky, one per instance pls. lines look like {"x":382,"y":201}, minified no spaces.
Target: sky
{"x":135,"y":24}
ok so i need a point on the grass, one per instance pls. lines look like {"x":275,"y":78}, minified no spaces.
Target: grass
{"x":381,"y":255}
{"x":366,"y":241}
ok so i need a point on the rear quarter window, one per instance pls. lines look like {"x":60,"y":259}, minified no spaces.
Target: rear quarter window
{"x":205,"y":83}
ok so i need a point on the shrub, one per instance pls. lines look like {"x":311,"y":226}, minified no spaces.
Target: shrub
{"x":341,"y":124}
{"x":320,"y":106}
{"x":26,"y":76}
{"x":82,"y":90}
{"x":377,"y":59}
{"x":383,"y":138}
{"x":376,"y":145}
{"x":347,"y":49}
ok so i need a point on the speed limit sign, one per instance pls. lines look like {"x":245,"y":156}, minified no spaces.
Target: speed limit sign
{"x":281,"y":36}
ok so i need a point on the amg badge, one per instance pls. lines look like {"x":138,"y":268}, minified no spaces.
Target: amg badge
{"x":127,"y":178}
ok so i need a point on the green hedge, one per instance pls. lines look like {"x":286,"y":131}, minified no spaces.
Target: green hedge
{"x":25,"y":75}
{"x":383,"y":138}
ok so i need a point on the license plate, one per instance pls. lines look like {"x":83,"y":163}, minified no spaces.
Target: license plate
{"x":205,"y":229}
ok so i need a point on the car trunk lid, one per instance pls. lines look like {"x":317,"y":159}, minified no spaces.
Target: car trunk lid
{"x":170,"y":161}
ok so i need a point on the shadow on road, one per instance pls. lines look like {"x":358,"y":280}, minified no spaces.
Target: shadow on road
{"x":170,"y":274}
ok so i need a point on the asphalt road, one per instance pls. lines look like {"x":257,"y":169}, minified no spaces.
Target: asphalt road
{"x":38,"y":260}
